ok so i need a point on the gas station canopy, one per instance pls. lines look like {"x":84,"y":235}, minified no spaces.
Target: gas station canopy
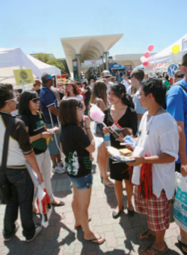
{"x":87,"y":47}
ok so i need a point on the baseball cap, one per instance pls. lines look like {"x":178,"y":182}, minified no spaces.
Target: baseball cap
{"x":46,"y":76}
{"x":106,"y":73}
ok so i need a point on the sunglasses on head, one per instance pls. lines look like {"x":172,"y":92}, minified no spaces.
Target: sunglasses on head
{"x":12,"y":99}
{"x":35,"y":99}
{"x":180,"y":76}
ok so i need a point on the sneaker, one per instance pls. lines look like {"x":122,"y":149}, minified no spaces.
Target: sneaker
{"x":60,"y":164}
{"x":16,"y":229}
{"x":38,"y":229}
{"x":58,"y":169}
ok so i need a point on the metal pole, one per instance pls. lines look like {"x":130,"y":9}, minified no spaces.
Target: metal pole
{"x":78,"y":56}
{"x":106,"y":58}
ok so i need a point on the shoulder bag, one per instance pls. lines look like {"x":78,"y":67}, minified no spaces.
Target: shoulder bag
{"x":5,"y":186}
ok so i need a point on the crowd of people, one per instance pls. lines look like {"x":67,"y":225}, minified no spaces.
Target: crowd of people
{"x":53,"y":120}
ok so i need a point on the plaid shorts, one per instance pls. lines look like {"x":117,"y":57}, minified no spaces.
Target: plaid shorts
{"x":157,"y":210}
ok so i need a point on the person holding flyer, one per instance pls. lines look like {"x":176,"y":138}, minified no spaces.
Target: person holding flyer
{"x":120,"y":115}
{"x":154,"y":168}
{"x":38,"y":133}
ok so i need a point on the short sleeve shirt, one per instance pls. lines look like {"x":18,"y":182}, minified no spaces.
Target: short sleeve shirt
{"x":158,"y":135}
{"x":35,"y":124}
{"x":177,"y":105}
{"x":74,"y":141}
{"x":47,"y":99}
{"x":19,"y":144}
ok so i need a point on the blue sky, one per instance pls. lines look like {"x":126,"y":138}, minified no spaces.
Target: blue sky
{"x":37,"y":25}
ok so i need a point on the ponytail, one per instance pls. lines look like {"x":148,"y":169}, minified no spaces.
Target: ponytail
{"x":127,"y":99}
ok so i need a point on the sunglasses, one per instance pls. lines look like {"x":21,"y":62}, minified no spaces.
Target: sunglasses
{"x":35,"y":100}
{"x":180,"y":76}
{"x":12,"y":99}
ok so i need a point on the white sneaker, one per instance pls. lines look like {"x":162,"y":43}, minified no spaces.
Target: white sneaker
{"x":38,"y":229}
{"x":58,"y":169}
{"x":60,"y":164}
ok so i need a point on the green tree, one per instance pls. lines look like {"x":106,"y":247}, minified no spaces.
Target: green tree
{"x":51,"y":61}
{"x":57,"y":63}
{"x":42,"y":57}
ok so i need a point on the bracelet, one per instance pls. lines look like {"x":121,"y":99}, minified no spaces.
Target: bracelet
{"x":87,"y":128}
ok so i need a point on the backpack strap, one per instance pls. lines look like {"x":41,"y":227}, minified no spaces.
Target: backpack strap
{"x":5,"y":144}
{"x":181,"y":87}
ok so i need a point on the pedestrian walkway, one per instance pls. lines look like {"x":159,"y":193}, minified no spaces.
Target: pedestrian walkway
{"x":61,"y":238}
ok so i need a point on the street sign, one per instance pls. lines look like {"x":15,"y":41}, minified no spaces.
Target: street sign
{"x":23,"y":76}
{"x":171,"y":70}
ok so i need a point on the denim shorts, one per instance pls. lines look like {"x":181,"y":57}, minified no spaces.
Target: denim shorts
{"x":84,"y":182}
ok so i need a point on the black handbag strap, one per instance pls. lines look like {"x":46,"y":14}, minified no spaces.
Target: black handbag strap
{"x":5,"y":144}
{"x":181,"y":87}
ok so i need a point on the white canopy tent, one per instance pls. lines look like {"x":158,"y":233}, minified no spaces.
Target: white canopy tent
{"x":15,"y":58}
{"x":161,"y":60}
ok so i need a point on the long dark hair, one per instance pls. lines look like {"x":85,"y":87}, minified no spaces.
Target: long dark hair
{"x":119,"y":89}
{"x":26,"y":96}
{"x":68,"y":115}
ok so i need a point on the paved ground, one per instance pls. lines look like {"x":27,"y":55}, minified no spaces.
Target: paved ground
{"x":61,"y":238}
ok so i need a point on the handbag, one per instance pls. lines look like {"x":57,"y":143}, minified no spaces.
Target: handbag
{"x":5,"y":185}
{"x":180,"y":203}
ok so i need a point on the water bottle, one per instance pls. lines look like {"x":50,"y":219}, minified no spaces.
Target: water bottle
{"x":107,"y":139}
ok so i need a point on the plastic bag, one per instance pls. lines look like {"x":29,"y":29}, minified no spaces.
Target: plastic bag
{"x":44,"y":205}
{"x":180,"y":203}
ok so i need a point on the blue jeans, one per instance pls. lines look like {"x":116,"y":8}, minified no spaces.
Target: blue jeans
{"x":22,"y":190}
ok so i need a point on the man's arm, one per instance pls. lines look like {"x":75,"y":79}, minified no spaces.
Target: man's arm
{"x":54,"y":110}
{"x":162,"y":158}
{"x":33,"y":163}
{"x":182,"y":147}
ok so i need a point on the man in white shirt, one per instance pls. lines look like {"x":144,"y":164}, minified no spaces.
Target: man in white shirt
{"x":137,"y":76}
{"x":125,"y":81}
{"x":19,"y":152}
{"x":106,"y":75}
{"x":156,"y":151}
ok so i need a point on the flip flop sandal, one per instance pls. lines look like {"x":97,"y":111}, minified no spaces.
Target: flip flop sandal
{"x":61,"y":203}
{"x":130,"y":212}
{"x":96,"y":240}
{"x":109,"y":184}
{"x":155,"y":251}
{"x":80,"y":227}
{"x":182,"y":245}
{"x":146,"y":235}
